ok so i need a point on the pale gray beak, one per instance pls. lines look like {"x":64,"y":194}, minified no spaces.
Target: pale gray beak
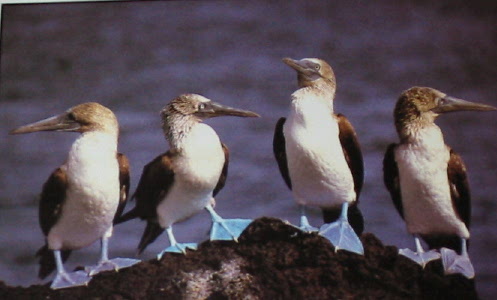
{"x":294,"y":64}
{"x":57,"y":123}
{"x":450,"y":104}
{"x":212,"y":109}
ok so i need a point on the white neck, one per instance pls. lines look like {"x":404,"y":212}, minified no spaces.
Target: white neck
{"x":176,"y":129}
{"x":92,"y":148}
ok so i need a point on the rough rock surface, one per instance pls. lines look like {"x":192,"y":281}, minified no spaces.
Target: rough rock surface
{"x":272,"y":260}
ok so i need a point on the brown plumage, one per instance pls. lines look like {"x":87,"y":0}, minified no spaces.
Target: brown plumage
{"x":415,"y":112}
{"x":182,"y":119}
{"x":318,"y":77}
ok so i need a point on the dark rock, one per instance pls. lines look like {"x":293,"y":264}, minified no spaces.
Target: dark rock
{"x":273,"y":260}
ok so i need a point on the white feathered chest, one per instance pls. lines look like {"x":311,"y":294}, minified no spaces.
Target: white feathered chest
{"x":92,"y":194}
{"x":319,"y":172}
{"x":424,"y":185}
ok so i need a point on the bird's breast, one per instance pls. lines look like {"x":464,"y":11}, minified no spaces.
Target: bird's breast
{"x":425,"y":189}
{"x":201,"y":160}
{"x":319,"y":172}
{"x":197,"y":171}
{"x":92,"y":194}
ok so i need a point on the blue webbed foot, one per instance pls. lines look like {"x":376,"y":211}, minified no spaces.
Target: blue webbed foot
{"x":457,"y":264}
{"x":342,"y":236}
{"x":64,"y":280}
{"x":228,"y":229}
{"x":178,"y":248}
{"x":114,"y":264}
{"x":304,"y":222}
{"x":420,"y":257}
{"x":308,"y":228}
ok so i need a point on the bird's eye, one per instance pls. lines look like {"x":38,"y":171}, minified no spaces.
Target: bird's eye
{"x":201,"y":106}
{"x":317,"y":67}
{"x":71,"y":117}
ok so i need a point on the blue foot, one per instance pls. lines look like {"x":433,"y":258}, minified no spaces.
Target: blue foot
{"x":421,"y":258}
{"x":178,"y":248}
{"x":228,"y":229}
{"x":342,"y":236}
{"x":64,"y":280}
{"x":111,"y":265}
{"x":304,"y":222}
{"x":457,"y":264}
{"x":308,"y":228}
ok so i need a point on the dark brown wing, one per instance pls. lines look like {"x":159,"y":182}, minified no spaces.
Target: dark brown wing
{"x":124,"y":184}
{"x":391,"y":178}
{"x":50,"y":208}
{"x":52,"y":199}
{"x":352,"y":152}
{"x":155,"y":182}
{"x":280,"y":151}
{"x":459,"y":187}
{"x":224,"y":172}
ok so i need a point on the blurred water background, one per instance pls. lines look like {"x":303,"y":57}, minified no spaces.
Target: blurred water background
{"x":136,"y":56}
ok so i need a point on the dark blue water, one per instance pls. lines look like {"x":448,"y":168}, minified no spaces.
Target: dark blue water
{"x":136,"y":56}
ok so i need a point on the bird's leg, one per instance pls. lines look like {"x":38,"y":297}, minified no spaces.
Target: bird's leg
{"x":226,"y":229}
{"x":454,"y":263}
{"x":106,"y":264}
{"x":175,"y":246}
{"x":420,"y":256}
{"x":304,"y":222}
{"x":64,"y":279}
{"x":341,"y":234}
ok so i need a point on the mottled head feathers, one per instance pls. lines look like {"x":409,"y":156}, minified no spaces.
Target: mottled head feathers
{"x":183,"y":112}
{"x":419,"y":106}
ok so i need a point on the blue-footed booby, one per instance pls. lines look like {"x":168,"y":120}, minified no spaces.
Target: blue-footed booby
{"x":319,"y":156}
{"x":427,"y":179}
{"x":185,"y":179}
{"x":82,"y":198}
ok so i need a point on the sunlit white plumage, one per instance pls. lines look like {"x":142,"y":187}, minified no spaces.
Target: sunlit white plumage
{"x":184,"y":180}
{"x":427,"y":189}
{"x":197,"y":171}
{"x":320,"y":175}
{"x":82,"y":198}
{"x":92,"y":194}
{"x":427,"y":179}
{"x":319,"y":156}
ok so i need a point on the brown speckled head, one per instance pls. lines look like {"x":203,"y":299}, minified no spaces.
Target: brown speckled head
{"x":198,"y":107}
{"x":90,"y":116}
{"x":186,"y":110}
{"x":93,"y":116}
{"x":415,"y":102}
{"x":312,"y":71}
{"x":186,"y":105}
{"x":421,"y":105}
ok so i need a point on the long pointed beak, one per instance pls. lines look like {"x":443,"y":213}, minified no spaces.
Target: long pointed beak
{"x":294,"y":64}
{"x":213,"y":109}
{"x":56,"y":123}
{"x":450,"y":104}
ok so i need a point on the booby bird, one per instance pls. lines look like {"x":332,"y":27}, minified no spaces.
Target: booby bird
{"x":427,"y":179}
{"x":82,"y":197}
{"x":185,"y":179}
{"x":319,"y":156}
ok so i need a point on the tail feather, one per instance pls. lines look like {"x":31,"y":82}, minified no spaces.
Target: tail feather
{"x":354,"y":216}
{"x":152,"y":231}
{"x":47,"y":260}
{"x":132,"y":214}
{"x":448,"y":241}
